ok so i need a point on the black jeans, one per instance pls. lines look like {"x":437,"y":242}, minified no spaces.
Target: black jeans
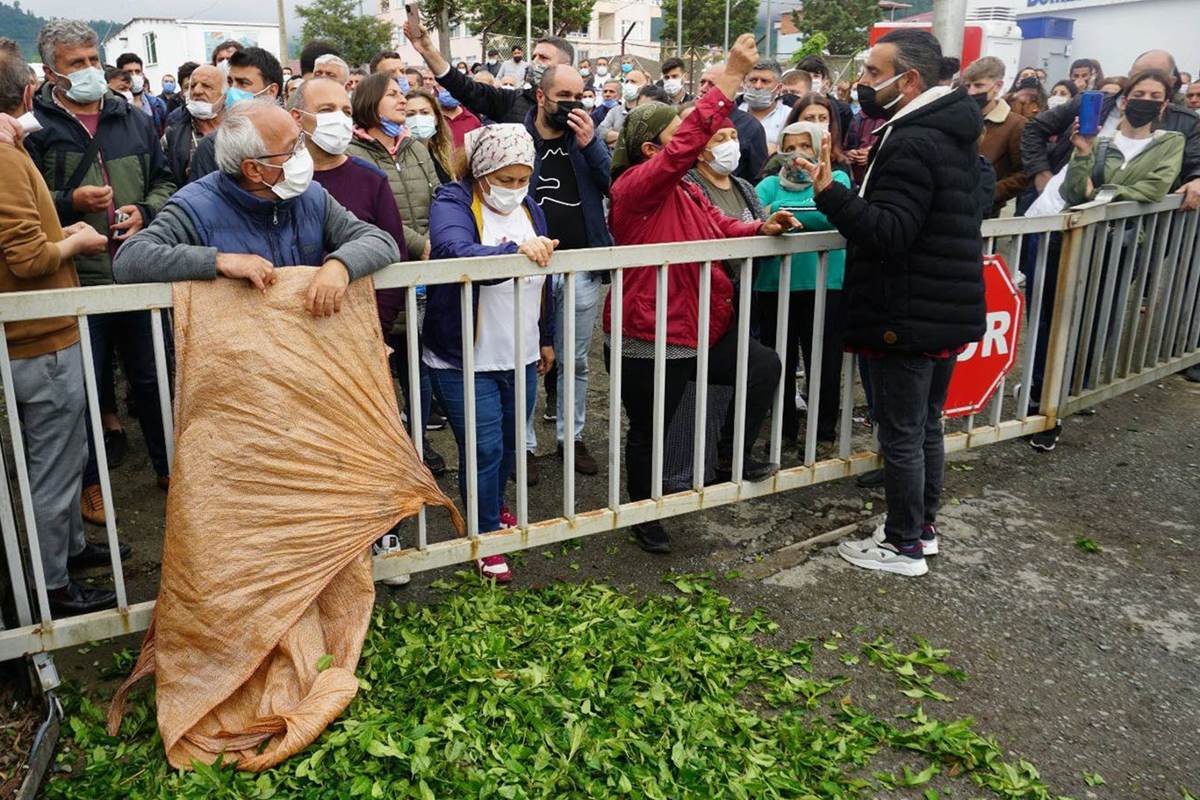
{"x":128,"y":333}
{"x":909,"y":394}
{"x":637,"y":395}
{"x":801,"y":307}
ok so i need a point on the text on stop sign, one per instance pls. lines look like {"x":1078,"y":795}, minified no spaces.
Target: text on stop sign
{"x":998,"y":323}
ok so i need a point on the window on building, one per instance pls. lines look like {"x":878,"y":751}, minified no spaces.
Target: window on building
{"x":608,"y":26}
{"x":150,"y":42}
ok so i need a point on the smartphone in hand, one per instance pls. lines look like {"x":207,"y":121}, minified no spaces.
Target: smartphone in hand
{"x":414,"y":16}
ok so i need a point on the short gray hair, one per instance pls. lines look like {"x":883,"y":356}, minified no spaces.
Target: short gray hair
{"x":63,"y":32}
{"x":336,"y":60}
{"x":237,"y":137}
{"x":768,"y":65}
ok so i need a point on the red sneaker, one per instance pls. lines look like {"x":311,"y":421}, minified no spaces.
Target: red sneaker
{"x":494,"y":568}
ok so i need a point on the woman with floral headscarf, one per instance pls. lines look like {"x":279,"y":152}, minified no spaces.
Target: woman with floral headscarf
{"x":791,"y":189}
{"x":488,"y":213}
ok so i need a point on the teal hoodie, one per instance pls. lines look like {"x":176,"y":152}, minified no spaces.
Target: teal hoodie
{"x":804,"y":265}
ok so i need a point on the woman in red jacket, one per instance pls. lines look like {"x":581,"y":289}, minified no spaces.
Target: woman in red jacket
{"x":651,"y":203}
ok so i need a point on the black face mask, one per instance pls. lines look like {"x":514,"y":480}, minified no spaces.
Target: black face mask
{"x":1141,"y":112}
{"x":980,"y":99}
{"x":789,"y":98}
{"x":518,"y":59}
{"x":868,"y":100}
{"x":562,"y":111}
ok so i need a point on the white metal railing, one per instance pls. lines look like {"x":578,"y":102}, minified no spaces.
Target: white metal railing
{"x":1125,"y":312}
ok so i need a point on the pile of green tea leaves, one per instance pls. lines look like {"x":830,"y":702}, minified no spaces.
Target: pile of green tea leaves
{"x":580,"y":690}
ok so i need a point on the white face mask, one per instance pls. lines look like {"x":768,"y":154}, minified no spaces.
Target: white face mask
{"x":630,"y":91}
{"x":87,"y":85}
{"x":297,"y":175}
{"x":817,"y":85}
{"x":422,"y":126}
{"x":137,"y":83}
{"x":1056,"y":100}
{"x":201,"y":109}
{"x":589,"y":103}
{"x":673,"y":86}
{"x":601,"y":70}
{"x":726,"y":157}
{"x":505,"y":200}
{"x":128,"y":95}
{"x":29,"y":123}
{"x":333,"y":132}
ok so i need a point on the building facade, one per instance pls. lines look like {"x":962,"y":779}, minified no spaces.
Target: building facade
{"x":164,"y":43}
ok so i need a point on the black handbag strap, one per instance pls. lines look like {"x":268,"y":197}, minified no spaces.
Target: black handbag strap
{"x":1098,"y":163}
{"x":89,"y":155}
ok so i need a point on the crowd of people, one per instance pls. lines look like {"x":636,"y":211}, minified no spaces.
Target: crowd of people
{"x":238,"y":167}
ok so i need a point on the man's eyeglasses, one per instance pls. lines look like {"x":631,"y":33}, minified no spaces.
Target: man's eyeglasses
{"x":301,"y":142}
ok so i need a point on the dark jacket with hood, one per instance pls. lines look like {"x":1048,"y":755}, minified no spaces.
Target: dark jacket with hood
{"x":914,"y":276}
{"x":593,"y":176}
{"x":1040,"y":154}
{"x":501,"y":105}
{"x":130,"y":160}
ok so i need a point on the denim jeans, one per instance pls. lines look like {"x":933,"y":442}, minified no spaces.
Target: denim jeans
{"x":588,"y":296}
{"x":398,"y":362}
{"x":909,"y":394}
{"x":128,"y":333}
{"x":495,"y":431}
{"x":50,"y":402}
{"x":801,"y":313}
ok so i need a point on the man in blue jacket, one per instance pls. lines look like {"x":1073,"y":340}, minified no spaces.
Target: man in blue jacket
{"x":571,"y":178}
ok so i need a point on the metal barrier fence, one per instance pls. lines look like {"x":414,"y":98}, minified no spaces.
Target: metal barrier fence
{"x":1120,"y":306}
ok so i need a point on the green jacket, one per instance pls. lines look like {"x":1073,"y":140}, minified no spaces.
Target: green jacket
{"x":804,"y":265}
{"x":130,"y":160}
{"x":1145,"y":179}
{"x":413,"y":179}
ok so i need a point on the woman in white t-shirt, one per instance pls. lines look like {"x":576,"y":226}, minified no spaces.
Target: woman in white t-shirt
{"x":487,"y":213}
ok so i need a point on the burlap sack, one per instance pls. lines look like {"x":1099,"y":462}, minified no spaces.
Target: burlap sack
{"x":290,"y":460}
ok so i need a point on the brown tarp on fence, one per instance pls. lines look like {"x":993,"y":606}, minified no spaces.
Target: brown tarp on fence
{"x":290,"y":460}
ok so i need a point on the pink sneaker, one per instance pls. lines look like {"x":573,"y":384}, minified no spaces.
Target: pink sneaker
{"x":507,"y":518}
{"x":494,"y":568}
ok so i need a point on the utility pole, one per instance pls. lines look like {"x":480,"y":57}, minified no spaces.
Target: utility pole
{"x":679,"y":28}
{"x":949,"y":20}
{"x":283,"y":38}
{"x":726,"y":28}
{"x":528,"y":28}
{"x":769,"y":28}
{"x":550,"y":18}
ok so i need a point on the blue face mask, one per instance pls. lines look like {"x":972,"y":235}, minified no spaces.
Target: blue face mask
{"x":168,"y":87}
{"x":627,"y":68}
{"x":404,"y":87}
{"x":446,"y":100}
{"x":236,"y":95}
{"x":392,"y":129}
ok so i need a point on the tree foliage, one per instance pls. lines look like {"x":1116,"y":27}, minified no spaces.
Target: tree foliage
{"x":507,"y":17}
{"x":22,"y":27}
{"x":358,"y":38}
{"x":814,"y":45}
{"x":704,"y":21}
{"x":845,"y":23}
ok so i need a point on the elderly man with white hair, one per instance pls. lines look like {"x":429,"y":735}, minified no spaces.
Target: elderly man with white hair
{"x":259,"y":211}
{"x":200,"y":116}
{"x":333,"y":67}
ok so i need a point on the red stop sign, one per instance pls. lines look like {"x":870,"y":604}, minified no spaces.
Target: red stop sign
{"x":984,"y":363}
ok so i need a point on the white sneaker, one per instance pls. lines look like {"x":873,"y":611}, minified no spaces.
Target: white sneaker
{"x":390,"y":543}
{"x":883,"y":557}
{"x":928,"y":546}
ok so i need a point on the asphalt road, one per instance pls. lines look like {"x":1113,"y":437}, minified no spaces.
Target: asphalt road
{"x":1077,"y":661}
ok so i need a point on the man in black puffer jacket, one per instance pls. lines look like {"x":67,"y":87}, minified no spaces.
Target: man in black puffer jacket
{"x":913,"y":291}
